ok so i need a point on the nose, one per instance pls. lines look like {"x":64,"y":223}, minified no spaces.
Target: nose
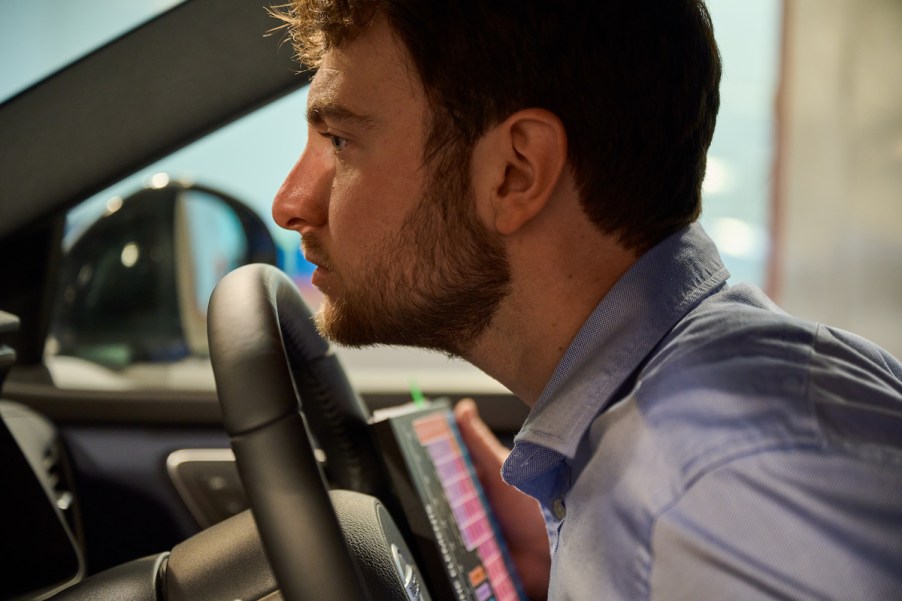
{"x":302,"y":203}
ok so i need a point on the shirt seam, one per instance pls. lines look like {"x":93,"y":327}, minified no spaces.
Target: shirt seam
{"x":809,"y":401}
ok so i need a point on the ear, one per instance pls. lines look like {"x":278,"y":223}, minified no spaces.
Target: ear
{"x":516,"y":167}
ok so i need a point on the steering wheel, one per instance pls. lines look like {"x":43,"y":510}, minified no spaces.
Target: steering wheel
{"x":275,"y":376}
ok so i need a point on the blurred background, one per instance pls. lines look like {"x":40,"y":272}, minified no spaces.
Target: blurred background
{"x":837,"y":180}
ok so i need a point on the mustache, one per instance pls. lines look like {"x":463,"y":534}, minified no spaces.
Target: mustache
{"x":315,"y":251}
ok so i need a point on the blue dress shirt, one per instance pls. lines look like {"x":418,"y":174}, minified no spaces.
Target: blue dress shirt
{"x":697,"y":443}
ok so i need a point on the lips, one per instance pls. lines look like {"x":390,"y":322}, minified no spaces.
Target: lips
{"x":319,"y":262}
{"x":315,"y":253}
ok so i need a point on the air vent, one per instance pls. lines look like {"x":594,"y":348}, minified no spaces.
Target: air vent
{"x":59,"y":483}
{"x":38,"y":440}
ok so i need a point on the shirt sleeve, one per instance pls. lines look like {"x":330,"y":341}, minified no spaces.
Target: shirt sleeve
{"x":784,"y":524}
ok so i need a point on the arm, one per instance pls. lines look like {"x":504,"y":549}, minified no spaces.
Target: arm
{"x":518,"y":514}
{"x":783,"y":524}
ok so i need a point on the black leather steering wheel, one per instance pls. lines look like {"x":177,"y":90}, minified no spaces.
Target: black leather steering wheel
{"x":274,"y":376}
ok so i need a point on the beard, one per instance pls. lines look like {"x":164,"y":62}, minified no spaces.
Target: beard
{"x":435,"y":284}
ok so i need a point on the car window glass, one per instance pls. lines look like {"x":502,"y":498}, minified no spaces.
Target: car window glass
{"x":148,"y":317}
{"x":737,"y":187}
{"x":247,"y":159}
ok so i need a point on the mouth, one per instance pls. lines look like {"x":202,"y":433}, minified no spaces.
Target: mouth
{"x":318,"y":262}
{"x":314,"y":253}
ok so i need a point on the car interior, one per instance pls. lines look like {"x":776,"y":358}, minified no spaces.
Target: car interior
{"x":129,"y":488}
{"x":173,"y":427}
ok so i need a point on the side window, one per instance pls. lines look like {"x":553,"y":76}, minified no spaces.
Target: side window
{"x":142,"y":257}
{"x":737,"y":189}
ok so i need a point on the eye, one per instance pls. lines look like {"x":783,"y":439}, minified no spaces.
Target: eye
{"x":338,"y":143}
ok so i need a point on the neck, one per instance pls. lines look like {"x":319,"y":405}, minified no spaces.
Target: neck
{"x":557,"y":281}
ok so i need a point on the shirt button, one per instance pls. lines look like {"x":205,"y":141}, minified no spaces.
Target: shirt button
{"x":558,"y":508}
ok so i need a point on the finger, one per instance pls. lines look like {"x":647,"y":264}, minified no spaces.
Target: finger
{"x":483,"y":444}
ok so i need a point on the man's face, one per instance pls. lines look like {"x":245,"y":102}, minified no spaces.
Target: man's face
{"x":401,"y":256}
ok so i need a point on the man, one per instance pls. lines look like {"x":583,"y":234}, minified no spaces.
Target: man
{"x":517,"y":183}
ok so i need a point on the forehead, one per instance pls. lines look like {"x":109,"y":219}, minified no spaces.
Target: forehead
{"x":368,"y":74}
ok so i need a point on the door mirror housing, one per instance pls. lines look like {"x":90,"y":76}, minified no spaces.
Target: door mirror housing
{"x":134,"y":285}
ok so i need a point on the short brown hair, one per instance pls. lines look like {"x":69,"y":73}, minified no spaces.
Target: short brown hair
{"x":635,"y":83}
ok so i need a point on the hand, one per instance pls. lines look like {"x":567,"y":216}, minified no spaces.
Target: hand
{"x":518,"y":514}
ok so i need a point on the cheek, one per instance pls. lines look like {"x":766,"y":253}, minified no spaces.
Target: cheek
{"x":366,"y":210}
{"x":352,"y":209}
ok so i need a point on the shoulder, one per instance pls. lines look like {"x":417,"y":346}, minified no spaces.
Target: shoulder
{"x":730,"y":378}
{"x":754,"y":438}
{"x":738,"y":342}
{"x":738,"y":376}
{"x":736,"y":329}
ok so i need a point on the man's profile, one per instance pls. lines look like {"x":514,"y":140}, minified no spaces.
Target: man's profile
{"x":517,"y":183}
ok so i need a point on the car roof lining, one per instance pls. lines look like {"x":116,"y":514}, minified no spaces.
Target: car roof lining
{"x":177,"y":77}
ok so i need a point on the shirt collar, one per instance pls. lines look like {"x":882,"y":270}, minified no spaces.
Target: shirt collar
{"x":645,"y":303}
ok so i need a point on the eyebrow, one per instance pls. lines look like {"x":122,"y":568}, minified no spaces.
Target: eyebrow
{"x":319,"y":112}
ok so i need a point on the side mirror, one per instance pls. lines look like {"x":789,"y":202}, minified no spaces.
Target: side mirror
{"x":134,"y":286}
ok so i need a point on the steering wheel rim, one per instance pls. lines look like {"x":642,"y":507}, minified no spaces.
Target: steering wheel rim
{"x":265,"y":350}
